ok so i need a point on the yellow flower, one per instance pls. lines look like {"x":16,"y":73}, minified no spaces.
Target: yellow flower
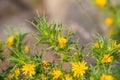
{"x":109,"y":21}
{"x":97,"y":45}
{"x":118,"y":51}
{"x":79,"y":68}
{"x":6,"y":79}
{"x":26,"y":49}
{"x":62,"y":42}
{"x":45,"y":63}
{"x":76,"y":54}
{"x":68,"y":77}
{"x":1,"y":41}
{"x":107,"y":58}
{"x":106,"y":77}
{"x":101,"y":3}
{"x":10,"y":41}
{"x":17,"y":72}
{"x":56,"y":73}
{"x":43,"y":76}
{"x":28,"y":69}
{"x":10,"y":76}
{"x":114,"y":44}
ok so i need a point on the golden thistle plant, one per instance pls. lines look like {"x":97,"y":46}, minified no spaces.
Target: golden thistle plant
{"x":104,"y":56}
{"x":112,"y":20}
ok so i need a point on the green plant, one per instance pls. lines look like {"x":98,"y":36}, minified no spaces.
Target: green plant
{"x":104,"y":52}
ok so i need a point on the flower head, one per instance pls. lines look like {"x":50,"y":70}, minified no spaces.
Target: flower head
{"x":76,"y":53}
{"x":79,"y":68}
{"x":10,"y":41}
{"x":45,"y":63}
{"x":97,"y":45}
{"x":17,"y":72}
{"x":43,"y":76}
{"x":26,"y":49}
{"x":114,"y":44}
{"x":1,"y":41}
{"x":28,"y":69}
{"x":68,"y":77}
{"x":107,"y":58}
{"x":62,"y":42}
{"x":106,"y":77}
{"x":10,"y":76}
{"x":101,"y":3}
{"x":56,"y":73}
{"x":118,"y":51}
{"x":109,"y":21}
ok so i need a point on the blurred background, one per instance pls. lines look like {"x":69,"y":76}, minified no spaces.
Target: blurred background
{"x":82,"y":16}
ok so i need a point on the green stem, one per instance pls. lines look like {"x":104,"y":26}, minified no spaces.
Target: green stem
{"x":104,"y":67}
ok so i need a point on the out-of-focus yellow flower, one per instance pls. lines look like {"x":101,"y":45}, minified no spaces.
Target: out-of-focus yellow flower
{"x":107,"y":77}
{"x":1,"y":41}
{"x":6,"y":79}
{"x":97,"y":45}
{"x":101,"y":3}
{"x":45,"y":63}
{"x":108,"y":21}
{"x":26,"y":49}
{"x":43,"y":76}
{"x":56,"y":74}
{"x":10,"y":41}
{"x":10,"y":76}
{"x":76,"y":54}
{"x":28,"y":69}
{"x":107,"y":58}
{"x":79,"y":68}
{"x":17,"y":72}
{"x":114,"y":44}
{"x":62,"y":42}
{"x":68,"y":77}
{"x":118,"y":51}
